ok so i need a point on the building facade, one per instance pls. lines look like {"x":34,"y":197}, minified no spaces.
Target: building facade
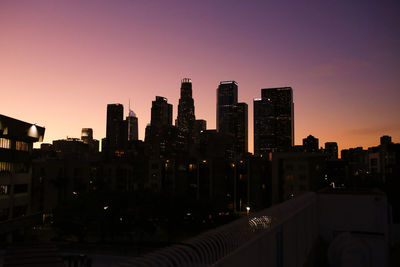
{"x":227,"y":98}
{"x":274,"y":120}
{"x":132,"y":122}
{"x":241,"y":128}
{"x":116,"y":129}
{"x":16,"y":144}
{"x":186,"y":117}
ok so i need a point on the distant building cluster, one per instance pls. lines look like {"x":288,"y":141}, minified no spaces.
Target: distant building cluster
{"x":186,"y":159}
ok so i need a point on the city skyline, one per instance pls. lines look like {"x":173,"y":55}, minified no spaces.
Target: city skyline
{"x":63,"y":64}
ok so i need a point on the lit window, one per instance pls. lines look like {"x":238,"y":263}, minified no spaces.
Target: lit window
{"x":4,"y":190}
{"x":6,"y":167}
{"x":21,"y":146}
{"x":5,"y":143}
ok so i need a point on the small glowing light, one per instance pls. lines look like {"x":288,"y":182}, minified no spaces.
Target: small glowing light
{"x":120,"y":218}
{"x":204,"y":161}
{"x":105,"y":207}
{"x":74,"y":193}
{"x":232,"y":165}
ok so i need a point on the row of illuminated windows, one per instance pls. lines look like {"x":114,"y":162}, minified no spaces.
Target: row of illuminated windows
{"x":13,"y":167}
{"x":5,"y":143}
{"x":19,"y":145}
{"x":5,"y":189}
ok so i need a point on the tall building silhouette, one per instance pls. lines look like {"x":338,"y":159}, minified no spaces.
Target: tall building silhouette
{"x":116,"y":129}
{"x":132,"y":122}
{"x":186,"y":115}
{"x":16,"y":185}
{"x":87,"y":138}
{"x":227,"y":98}
{"x":241,"y":128}
{"x":331,"y":148}
{"x":198,"y":127}
{"x":274,"y":120}
{"x":161,"y":112}
{"x":310,"y":144}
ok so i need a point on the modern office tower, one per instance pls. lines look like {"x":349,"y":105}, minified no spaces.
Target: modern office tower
{"x":241,"y":128}
{"x":16,"y":143}
{"x":87,"y":138}
{"x":310,"y":144}
{"x":132,"y":122}
{"x":87,"y":135}
{"x":186,"y":115}
{"x":116,"y":130}
{"x":274,"y":120}
{"x":115,"y":114}
{"x":227,"y":98}
{"x":161,"y":112}
{"x":331,"y":148}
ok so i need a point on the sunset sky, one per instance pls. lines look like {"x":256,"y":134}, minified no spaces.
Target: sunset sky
{"x":62,"y":62}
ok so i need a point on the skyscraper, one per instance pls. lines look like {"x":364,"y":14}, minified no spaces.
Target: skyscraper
{"x":161,"y":113}
{"x":132,"y":121}
{"x":227,"y":98}
{"x":186,"y":115}
{"x":116,"y":129}
{"x":274,"y":120}
{"x":241,"y":128}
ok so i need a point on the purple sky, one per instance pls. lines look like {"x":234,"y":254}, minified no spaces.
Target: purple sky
{"x":62,"y":62}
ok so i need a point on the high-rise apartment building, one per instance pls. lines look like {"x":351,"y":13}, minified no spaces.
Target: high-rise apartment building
{"x":186,"y":115}
{"x":274,"y":120}
{"x":227,"y":98}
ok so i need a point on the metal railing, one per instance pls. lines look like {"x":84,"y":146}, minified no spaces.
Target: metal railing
{"x":282,"y":235}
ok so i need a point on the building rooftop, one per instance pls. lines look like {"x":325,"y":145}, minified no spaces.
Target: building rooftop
{"x":11,"y":128}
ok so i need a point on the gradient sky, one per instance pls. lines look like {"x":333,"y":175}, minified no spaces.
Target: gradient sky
{"x":62,"y":62}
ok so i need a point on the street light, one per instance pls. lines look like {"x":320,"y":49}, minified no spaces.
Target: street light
{"x":248,"y":210}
